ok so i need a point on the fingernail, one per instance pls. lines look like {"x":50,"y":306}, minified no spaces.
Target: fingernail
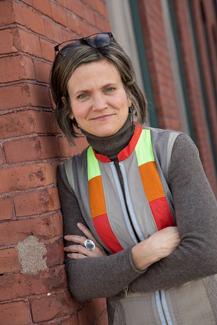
{"x":79,"y":224}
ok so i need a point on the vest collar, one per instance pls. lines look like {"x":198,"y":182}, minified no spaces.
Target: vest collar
{"x":126,"y":152}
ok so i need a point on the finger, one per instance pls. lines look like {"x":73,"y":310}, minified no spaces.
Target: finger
{"x":75,"y":248}
{"x":86,"y":231}
{"x":78,"y":249}
{"x":76,"y":256}
{"x":97,"y":252}
{"x":75,"y":239}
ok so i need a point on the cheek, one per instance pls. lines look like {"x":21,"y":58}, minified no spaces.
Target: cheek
{"x":79,"y":111}
{"x":125,"y":103}
{"x":121,"y":100}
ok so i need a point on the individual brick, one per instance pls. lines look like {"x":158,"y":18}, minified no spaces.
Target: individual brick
{"x":27,"y":122}
{"x":55,"y":253}
{"x":58,"y":14}
{"x":16,"y":67}
{"x":7,"y":17}
{"x":28,"y":17}
{"x":15,"y":285}
{"x":26,"y":177}
{"x":36,"y":148}
{"x":36,"y":202}
{"x":43,"y":228}
{"x":9,"y":261}
{"x":16,"y":313}
{"x":52,"y":306}
{"x":2,"y":156}
{"x":40,"y":147}
{"x":42,"y":70}
{"x":24,"y":94}
{"x":9,"y":40}
{"x":6,"y":208}
{"x":44,"y":6}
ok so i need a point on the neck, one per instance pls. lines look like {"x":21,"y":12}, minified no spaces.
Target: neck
{"x":110,"y":146}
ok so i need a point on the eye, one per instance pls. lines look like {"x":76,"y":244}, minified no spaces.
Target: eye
{"x":82,"y":96}
{"x":109,"y":89}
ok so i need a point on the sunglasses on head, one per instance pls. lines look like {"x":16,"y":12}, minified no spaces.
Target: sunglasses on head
{"x":98,"y":40}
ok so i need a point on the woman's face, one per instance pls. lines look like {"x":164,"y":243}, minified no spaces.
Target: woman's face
{"x":99,"y":101}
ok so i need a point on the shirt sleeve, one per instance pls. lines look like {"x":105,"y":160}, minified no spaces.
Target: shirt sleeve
{"x":92,"y":277}
{"x":196,"y":216}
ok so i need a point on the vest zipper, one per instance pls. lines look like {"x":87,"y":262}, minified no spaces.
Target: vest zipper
{"x":159,"y":304}
{"x":163,"y":314}
{"x":120,"y":177}
{"x":165,"y":308}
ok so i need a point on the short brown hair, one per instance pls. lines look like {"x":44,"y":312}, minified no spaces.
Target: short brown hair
{"x":65,"y":63}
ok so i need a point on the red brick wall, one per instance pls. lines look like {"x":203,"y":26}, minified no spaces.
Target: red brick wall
{"x":33,"y":287}
{"x":158,"y":58}
{"x":210,"y":13}
{"x":206,"y":50}
{"x":193,"y":86}
{"x":159,"y":62}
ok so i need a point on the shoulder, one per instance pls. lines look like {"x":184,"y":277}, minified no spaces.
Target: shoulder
{"x":162,"y":142}
{"x":180,"y":140}
{"x":161,"y":131}
{"x":184,"y":147}
{"x":185,"y":160}
{"x":163,"y":139}
{"x":175,"y":150}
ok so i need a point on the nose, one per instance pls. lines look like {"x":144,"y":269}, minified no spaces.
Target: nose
{"x":99,"y":102}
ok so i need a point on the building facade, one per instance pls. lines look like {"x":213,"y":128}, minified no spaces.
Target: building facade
{"x":173,"y":48}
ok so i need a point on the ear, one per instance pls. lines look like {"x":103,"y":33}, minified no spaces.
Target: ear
{"x":63,"y":99}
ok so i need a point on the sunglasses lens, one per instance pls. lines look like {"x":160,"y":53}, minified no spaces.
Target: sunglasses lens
{"x":68,"y":45}
{"x":99,"y":40}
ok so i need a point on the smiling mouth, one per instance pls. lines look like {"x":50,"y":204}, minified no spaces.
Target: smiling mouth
{"x":102,"y":117}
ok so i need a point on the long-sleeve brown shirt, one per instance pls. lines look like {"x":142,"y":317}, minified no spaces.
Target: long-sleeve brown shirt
{"x":196,"y":217}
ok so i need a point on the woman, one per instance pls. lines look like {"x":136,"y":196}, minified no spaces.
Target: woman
{"x":140,"y":219}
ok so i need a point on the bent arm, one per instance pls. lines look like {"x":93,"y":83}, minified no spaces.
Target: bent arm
{"x":196,"y":216}
{"x":96,"y":276}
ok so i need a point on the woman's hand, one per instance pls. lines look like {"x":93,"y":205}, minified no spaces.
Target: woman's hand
{"x":77,"y":250}
{"x":159,"y":245}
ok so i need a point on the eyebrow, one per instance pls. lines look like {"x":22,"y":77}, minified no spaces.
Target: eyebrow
{"x":109,"y":85}
{"x":81,"y":91}
{"x":88,"y":90}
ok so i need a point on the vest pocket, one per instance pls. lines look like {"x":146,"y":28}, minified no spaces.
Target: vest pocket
{"x":136,"y":309}
{"x":115,"y":312}
{"x":190,"y":303}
